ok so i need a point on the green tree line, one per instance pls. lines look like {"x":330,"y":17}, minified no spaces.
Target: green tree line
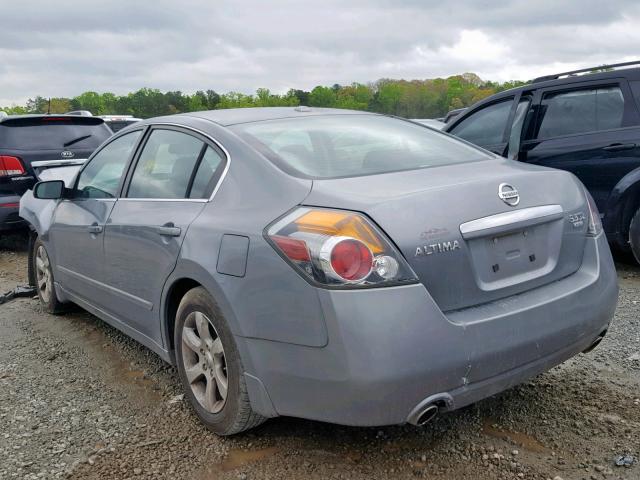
{"x":430,"y":98}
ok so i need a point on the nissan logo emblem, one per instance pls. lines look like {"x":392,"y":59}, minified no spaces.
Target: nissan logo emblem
{"x":508,"y":194}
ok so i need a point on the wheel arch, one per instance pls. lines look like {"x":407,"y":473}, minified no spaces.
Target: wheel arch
{"x":176,"y":291}
{"x":622,"y":205}
{"x":186,"y":276}
{"x":31,"y":274}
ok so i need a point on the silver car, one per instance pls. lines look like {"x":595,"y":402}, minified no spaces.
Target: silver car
{"x":334,"y":265}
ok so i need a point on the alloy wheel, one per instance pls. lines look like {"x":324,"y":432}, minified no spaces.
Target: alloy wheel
{"x":43,"y":274}
{"x":204,"y":362}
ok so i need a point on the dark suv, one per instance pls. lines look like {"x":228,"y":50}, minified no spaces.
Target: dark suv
{"x":32,"y":143}
{"x":586,"y":123}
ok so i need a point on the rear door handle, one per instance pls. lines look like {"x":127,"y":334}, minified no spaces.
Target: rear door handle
{"x":616,"y":147}
{"x":169,"y":231}
{"x":95,"y":228}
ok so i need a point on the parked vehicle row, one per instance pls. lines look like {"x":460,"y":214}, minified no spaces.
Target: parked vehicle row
{"x":326,"y":264}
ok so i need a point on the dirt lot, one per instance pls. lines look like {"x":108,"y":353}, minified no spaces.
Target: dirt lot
{"x":80,"y":400}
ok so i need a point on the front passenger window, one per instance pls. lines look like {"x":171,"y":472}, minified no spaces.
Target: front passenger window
{"x":165,"y":165}
{"x":101,"y":177}
{"x":485,"y":126}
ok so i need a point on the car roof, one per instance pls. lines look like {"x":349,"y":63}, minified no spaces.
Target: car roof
{"x":231,"y":116}
{"x":628,"y":73}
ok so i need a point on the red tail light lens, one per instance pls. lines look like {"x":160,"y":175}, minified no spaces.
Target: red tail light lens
{"x":350,"y":259}
{"x":338,"y":249}
{"x":10,"y":166}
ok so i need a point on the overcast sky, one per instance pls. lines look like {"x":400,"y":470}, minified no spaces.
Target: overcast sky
{"x":66,"y":47}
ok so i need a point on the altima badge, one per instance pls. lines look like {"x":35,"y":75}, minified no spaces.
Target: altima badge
{"x":440,"y":247}
{"x":508,"y":194}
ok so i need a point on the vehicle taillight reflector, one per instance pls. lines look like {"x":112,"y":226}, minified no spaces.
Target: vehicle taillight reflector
{"x":340,"y":224}
{"x":295,"y":250}
{"x":594,"y":226}
{"x":10,"y":166}
{"x":9,"y":205}
{"x":351,"y":260}
{"x":338,"y":249}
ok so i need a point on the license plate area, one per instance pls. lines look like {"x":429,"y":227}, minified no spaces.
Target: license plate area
{"x":517,"y":256}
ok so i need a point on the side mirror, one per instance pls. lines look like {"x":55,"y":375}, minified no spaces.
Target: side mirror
{"x":49,"y":190}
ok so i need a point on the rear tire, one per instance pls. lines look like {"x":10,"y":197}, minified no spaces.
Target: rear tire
{"x":210,"y":367}
{"x":634,"y":235}
{"x":44,"y":281}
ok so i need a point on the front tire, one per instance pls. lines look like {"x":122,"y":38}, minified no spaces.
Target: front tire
{"x":634,"y":235}
{"x":43,"y":273}
{"x":210,"y":367}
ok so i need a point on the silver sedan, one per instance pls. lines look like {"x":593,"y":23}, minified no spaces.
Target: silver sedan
{"x":341,"y":266}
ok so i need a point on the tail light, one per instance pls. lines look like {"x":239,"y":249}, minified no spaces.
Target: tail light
{"x":10,"y":166}
{"x":595,"y":223}
{"x":338,"y":249}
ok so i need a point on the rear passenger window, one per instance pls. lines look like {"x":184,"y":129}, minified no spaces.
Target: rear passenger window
{"x":486,"y":126}
{"x":204,"y":178}
{"x":580,"y":111}
{"x":165,"y":165}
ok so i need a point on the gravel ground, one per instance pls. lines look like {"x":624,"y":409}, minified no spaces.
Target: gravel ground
{"x":80,"y":400}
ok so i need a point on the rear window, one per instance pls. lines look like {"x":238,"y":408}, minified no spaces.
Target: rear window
{"x":352,"y":145}
{"x":53,"y":133}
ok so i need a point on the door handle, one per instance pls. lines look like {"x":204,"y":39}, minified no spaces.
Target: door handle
{"x":95,"y":228}
{"x":616,"y":147}
{"x":169,"y":230}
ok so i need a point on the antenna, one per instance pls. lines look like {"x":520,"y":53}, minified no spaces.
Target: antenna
{"x":49,"y":107}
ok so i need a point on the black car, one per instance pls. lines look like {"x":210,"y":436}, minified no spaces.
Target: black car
{"x":584,"y":122}
{"x":31,"y":143}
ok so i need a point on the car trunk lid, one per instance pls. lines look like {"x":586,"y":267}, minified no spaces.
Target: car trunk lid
{"x":466,"y":244}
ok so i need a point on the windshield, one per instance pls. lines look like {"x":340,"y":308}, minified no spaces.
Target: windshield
{"x":53,"y":133}
{"x":332,"y":146}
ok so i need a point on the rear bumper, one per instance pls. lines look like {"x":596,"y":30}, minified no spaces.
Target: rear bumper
{"x":392,"y":351}
{"x":9,"y":218}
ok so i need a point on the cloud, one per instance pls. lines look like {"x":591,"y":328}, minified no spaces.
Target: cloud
{"x":65,"y":47}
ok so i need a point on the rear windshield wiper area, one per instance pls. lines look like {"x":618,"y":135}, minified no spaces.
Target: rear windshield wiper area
{"x":76,"y":140}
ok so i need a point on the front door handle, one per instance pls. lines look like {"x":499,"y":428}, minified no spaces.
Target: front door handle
{"x":616,"y":147}
{"x":95,"y":228}
{"x":169,"y":230}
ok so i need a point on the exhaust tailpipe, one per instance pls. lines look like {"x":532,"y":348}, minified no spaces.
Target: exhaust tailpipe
{"x":427,"y":415}
{"x":595,"y":343}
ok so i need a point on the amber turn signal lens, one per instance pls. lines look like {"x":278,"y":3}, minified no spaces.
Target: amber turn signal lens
{"x":340,"y":224}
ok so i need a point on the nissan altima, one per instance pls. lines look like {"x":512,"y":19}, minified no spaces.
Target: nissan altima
{"x":334,"y":265}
